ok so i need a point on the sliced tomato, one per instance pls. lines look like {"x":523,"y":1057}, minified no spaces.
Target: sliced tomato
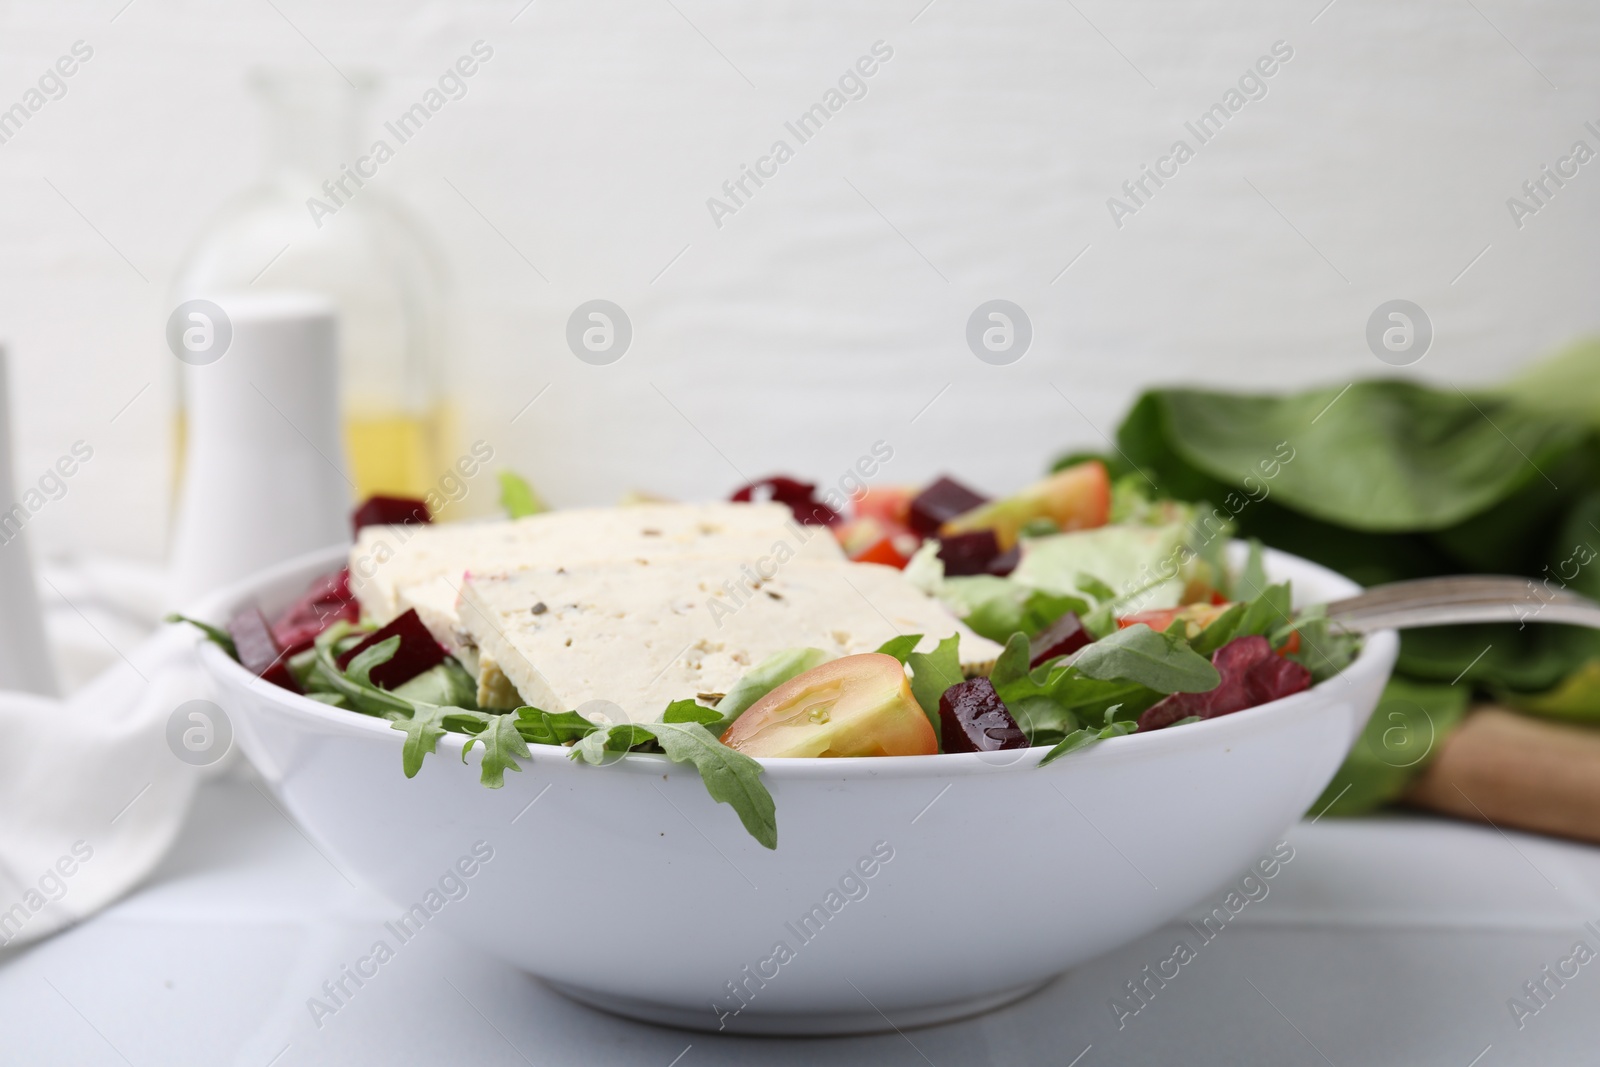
{"x":854,"y":706}
{"x":1196,"y":617}
{"x":889,"y":504}
{"x":858,"y":535}
{"x":882,"y":551}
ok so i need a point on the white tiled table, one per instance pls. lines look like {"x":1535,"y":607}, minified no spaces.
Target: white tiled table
{"x":1394,"y":941}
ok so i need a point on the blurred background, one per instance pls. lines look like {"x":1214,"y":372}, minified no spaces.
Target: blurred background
{"x":828,"y":309}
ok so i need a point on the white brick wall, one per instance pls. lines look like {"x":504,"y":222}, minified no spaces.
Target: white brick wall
{"x":806,"y":328}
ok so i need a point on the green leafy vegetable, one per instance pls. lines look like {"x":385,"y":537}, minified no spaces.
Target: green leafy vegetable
{"x":1220,"y":631}
{"x":544,"y":728}
{"x":1012,"y":664}
{"x":448,"y":684}
{"x":996,"y":608}
{"x":1405,"y":731}
{"x":220,"y":636}
{"x":1267,"y":612}
{"x":1083,"y":738}
{"x":1253,"y":581}
{"x":900,"y":647}
{"x":502,"y":744}
{"x":361,"y":666}
{"x":1162,"y":662}
{"x":731,"y":777}
{"x":762,"y":679}
{"x":517,"y":496}
{"x":932,"y":673}
{"x":423,"y":729}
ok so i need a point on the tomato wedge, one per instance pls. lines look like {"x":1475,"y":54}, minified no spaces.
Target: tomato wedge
{"x":854,"y":706}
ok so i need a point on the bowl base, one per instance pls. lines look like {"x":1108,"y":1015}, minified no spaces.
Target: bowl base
{"x":795,"y":1024}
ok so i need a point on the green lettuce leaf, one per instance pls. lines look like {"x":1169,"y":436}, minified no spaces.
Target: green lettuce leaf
{"x":932,"y":673}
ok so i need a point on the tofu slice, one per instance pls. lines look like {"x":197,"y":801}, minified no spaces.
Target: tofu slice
{"x":642,"y":633}
{"x":395,"y":568}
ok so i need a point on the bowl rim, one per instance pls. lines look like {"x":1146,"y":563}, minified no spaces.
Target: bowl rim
{"x":1377,"y":656}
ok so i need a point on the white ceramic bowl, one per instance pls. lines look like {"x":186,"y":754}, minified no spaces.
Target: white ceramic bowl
{"x":627,"y":887}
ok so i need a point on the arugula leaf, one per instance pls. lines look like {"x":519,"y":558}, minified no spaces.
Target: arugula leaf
{"x":502,"y":744}
{"x":360,"y":668}
{"x":690,"y":711}
{"x":215,"y":633}
{"x":931,"y":674}
{"x":1042,"y":719}
{"x":1222,"y":629}
{"x":1163,"y":662}
{"x":423,"y":730}
{"x":1324,"y":651}
{"x":1081,"y":738}
{"x":731,"y":777}
{"x":517,"y":496}
{"x":1085,"y":737}
{"x":900,"y":647}
{"x":1266,"y":612}
{"x":365,"y":698}
{"x":1253,"y":581}
{"x":544,"y":728}
{"x":762,"y":679}
{"x":1012,"y":665}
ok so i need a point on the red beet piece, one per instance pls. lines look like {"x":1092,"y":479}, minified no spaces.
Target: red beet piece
{"x":973,"y":718}
{"x":390,"y":511}
{"x":941,"y":502}
{"x":327,"y":601}
{"x":418,"y":652}
{"x":968,"y":553}
{"x":260,"y":654}
{"x":1252,"y":674}
{"x":1006,"y":562}
{"x":1061,"y":638}
{"x":799,"y":496}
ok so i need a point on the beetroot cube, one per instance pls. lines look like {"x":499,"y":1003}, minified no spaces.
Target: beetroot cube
{"x":1061,"y":638}
{"x":941,"y":502}
{"x":418,"y":652}
{"x":1006,"y":562}
{"x":968,"y":553}
{"x":973,"y":718}
{"x":258,"y":651}
{"x":390,"y":511}
{"x":798,"y":496}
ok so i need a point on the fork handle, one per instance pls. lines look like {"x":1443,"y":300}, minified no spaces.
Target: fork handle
{"x":1461,"y":599}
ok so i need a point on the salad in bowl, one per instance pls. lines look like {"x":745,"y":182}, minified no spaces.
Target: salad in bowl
{"x":931,"y":622}
{"x":744,"y":758}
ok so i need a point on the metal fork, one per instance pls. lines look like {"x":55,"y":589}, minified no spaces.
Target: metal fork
{"x":1459,"y":599}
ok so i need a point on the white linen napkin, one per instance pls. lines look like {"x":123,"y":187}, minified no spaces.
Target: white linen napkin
{"x":91,"y":793}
